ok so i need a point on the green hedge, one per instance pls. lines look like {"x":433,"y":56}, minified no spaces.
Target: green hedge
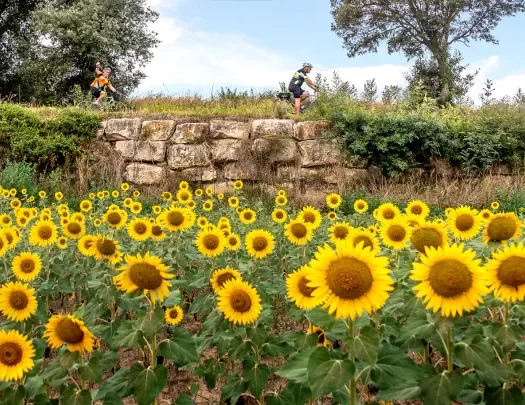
{"x":397,"y":140}
{"x":24,"y":136}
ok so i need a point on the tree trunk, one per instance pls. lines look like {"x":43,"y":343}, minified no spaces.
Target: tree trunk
{"x":444,"y":73}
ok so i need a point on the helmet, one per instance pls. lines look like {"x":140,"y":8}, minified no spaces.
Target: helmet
{"x":306,"y":64}
{"x":107,"y":69}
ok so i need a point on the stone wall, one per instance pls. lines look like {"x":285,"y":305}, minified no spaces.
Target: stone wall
{"x":272,"y":151}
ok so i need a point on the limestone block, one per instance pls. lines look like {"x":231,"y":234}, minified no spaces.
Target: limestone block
{"x":294,"y":173}
{"x":310,"y":129}
{"x":126,"y":149}
{"x":241,"y":171}
{"x":221,"y":129}
{"x":158,"y":130}
{"x":199,"y":174}
{"x":122,"y":129}
{"x":191,"y":133}
{"x":320,"y":152}
{"x":141,"y":173}
{"x":150,"y":151}
{"x":226,"y":150}
{"x":182,"y":156}
{"x":275,"y":150}
{"x":101,"y":130}
{"x":343,"y":175}
{"x":272,"y":127}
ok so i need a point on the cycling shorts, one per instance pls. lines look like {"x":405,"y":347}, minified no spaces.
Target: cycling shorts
{"x":296,"y":90}
{"x":96,"y":91}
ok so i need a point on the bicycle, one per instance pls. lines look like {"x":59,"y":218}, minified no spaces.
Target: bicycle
{"x":284,"y":97}
{"x":111,"y":102}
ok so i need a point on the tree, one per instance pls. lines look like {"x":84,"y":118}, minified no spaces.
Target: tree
{"x":519,"y":97}
{"x":419,"y":27}
{"x":71,"y":35}
{"x":369,"y":94}
{"x":391,"y":94}
{"x":488,"y":90}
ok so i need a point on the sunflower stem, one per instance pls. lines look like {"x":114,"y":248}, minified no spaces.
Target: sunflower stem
{"x":351,"y":355}
{"x":427,"y":354}
{"x":82,"y":382}
{"x":450,"y":350}
{"x":507,"y":311}
{"x":506,"y":354}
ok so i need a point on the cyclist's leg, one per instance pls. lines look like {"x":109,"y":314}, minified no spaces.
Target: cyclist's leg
{"x":297,"y":93}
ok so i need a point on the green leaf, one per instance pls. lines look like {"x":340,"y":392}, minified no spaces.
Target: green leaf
{"x":234,"y":388}
{"x":108,"y":359}
{"x":393,"y":367}
{"x":286,"y":397}
{"x":173,"y":299}
{"x":117,"y":383}
{"x":210,"y":370}
{"x":70,"y":395}
{"x":325,"y":374}
{"x":406,"y":391}
{"x":91,"y":371}
{"x":13,"y":397}
{"x":305,"y":341}
{"x":79,"y":313}
{"x":442,"y":389}
{"x":506,"y":336}
{"x":152,"y":321}
{"x":419,"y":325}
{"x":501,"y":396}
{"x":365,"y":346}
{"x":34,"y":386}
{"x":180,"y":348}
{"x":129,"y":335}
{"x":112,"y":399}
{"x":183,"y":399}
{"x":296,"y":369}
{"x":277,"y":347}
{"x":257,"y":377}
{"x":320,"y":317}
{"x":149,"y":383}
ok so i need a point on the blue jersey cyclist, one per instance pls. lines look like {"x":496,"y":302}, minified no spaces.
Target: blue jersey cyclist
{"x":297,"y":81}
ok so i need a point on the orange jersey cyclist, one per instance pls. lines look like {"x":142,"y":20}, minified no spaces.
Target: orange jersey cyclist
{"x":100,"y":84}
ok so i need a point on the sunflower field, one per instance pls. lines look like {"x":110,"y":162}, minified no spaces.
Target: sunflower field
{"x":111,"y":301}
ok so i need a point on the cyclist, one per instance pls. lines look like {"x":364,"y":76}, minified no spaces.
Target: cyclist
{"x":297,"y":81}
{"x":101,"y":84}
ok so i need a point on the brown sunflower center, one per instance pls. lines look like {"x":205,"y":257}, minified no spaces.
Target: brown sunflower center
{"x":114,"y":218}
{"x":309,"y":217}
{"x":279,"y":214}
{"x":18,"y":300}
{"x":416,"y":209}
{"x":175,"y":218}
{"x":45,"y":232}
{"x":450,"y":278}
{"x":320,"y":337}
{"x":232,"y":241}
{"x":207,"y":205}
{"x":6,"y":220}
{"x":334,"y":200}
{"x":367,"y":242}
{"x":27,"y":266}
{"x":464,"y":222}
{"x":349,"y":278}
{"x":9,"y":238}
{"x":184,"y":196}
{"x":10,"y":354}
{"x":85,"y":205}
{"x":248,"y":215}
{"x":74,"y":228}
{"x":259,"y":243}
{"x":69,"y":331}
{"x":511,"y":272}
{"x":486,"y":215}
{"x":1,"y":244}
{"x":174,"y":313}
{"x":396,"y":233}
{"x":501,"y":229}
{"x":426,"y":237}
{"x":303,"y":287}
{"x":223,"y":278}
{"x":211,"y":242}
{"x":341,"y":232}
{"x":240,"y":301}
{"x":280,"y":200}
{"x":299,"y":230}
{"x":145,"y":276}
{"x":106,"y":247}
{"x":156,"y":230}
{"x":360,"y":206}
{"x":388,"y":213}
{"x":88,"y":243}
{"x":140,"y":228}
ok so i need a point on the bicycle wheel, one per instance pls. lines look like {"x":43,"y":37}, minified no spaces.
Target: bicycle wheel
{"x":87,"y":105}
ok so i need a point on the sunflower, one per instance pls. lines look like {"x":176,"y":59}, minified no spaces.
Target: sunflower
{"x":157,"y":233}
{"x":208,"y":191}
{"x":247,"y":216}
{"x":464,"y":223}
{"x":115,"y":194}
{"x":210,"y":243}
{"x":136,"y":193}
{"x":334,"y":200}
{"x":17,"y":301}
{"x":395,"y":233}
{"x":387,"y":212}
{"x":43,"y":233}
{"x":100,"y":195}
{"x":239,"y":302}
{"x":139,"y":229}
{"x":233,"y":242}
{"x":501,"y":228}
{"x":428,"y":235}
{"x":166,"y":196}
{"x":350,"y":278}
{"x":224,"y":220}
{"x":279,"y":215}
{"x":62,"y":242}
{"x":207,"y":205}
{"x":220,"y":196}
{"x":15,"y":203}
{"x":42,"y":194}
{"x":128,"y":201}
{"x":136,"y":207}
{"x":184,"y":196}
{"x":146,"y":274}
{"x":281,"y":192}
{"x":59,"y":196}
{"x":259,"y":243}
{"x":360,"y":206}
{"x":413,"y":220}
{"x":451,"y":279}
{"x":8,"y":239}
{"x":494,"y":205}
{"x":238,"y":210}
{"x":5,"y":220}
{"x":68,"y":330}
{"x":233,"y":202}
{"x":183,"y":185}
{"x":281,"y":200}
{"x":86,"y":205}
{"x":321,"y":336}
{"x":97,"y":222}
{"x":332,"y":216}
{"x":16,"y":355}
{"x":124,"y":186}
{"x":506,"y":273}
{"x":298,"y":232}
{"x":238,"y":185}
{"x":45,"y":217}
{"x":174,"y":315}
{"x":485,"y":214}
{"x":23,"y":221}
{"x":202,"y":222}
{"x":298,"y":290}
{"x":310,"y":215}
{"x":177,"y":219}
{"x":115,"y":218}
{"x":340,"y":231}
{"x":85,"y":243}
{"x":105,"y":248}
{"x":92,"y":196}
{"x":221,"y":276}
{"x":74,"y":230}
{"x":368,"y":239}
{"x":418,"y":208}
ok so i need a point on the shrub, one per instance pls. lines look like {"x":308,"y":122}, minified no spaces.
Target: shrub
{"x":19,"y":175}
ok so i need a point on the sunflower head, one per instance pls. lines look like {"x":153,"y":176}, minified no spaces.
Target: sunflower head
{"x":395,"y":233}
{"x":139,"y":229}
{"x":17,"y":301}
{"x":464,"y":223}
{"x":333,"y":200}
{"x":221,"y":276}
{"x":502,"y":228}
{"x":321,"y":335}
{"x":506,"y":273}
{"x":233,"y":202}
{"x":16,"y":355}
{"x":43,"y":233}
{"x":239,"y":302}
{"x":360,"y":206}
{"x":298,"y":290}
{"x":174,"y":315}
{"x":247,"y":216}
{"x":332,"y":216}
{"x":494,"y":205}
{"x":70,"y":331}
{"x":428,"y":235}
{"x":210,"y":243}
{"x":238,"y":185}
{"x":386,"y":212}
{"x":310,"y":215}
{"x":279,"y":215}
{"x":418,"y":208}
{"x":259,"y":243}
{"x":183,"y":185}
{"x":298,"y":232}
{"x":340,"y":231}
{"x":233,"y":242}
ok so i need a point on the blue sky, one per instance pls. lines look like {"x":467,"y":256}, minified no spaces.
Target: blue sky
{"x":207,"y":44}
